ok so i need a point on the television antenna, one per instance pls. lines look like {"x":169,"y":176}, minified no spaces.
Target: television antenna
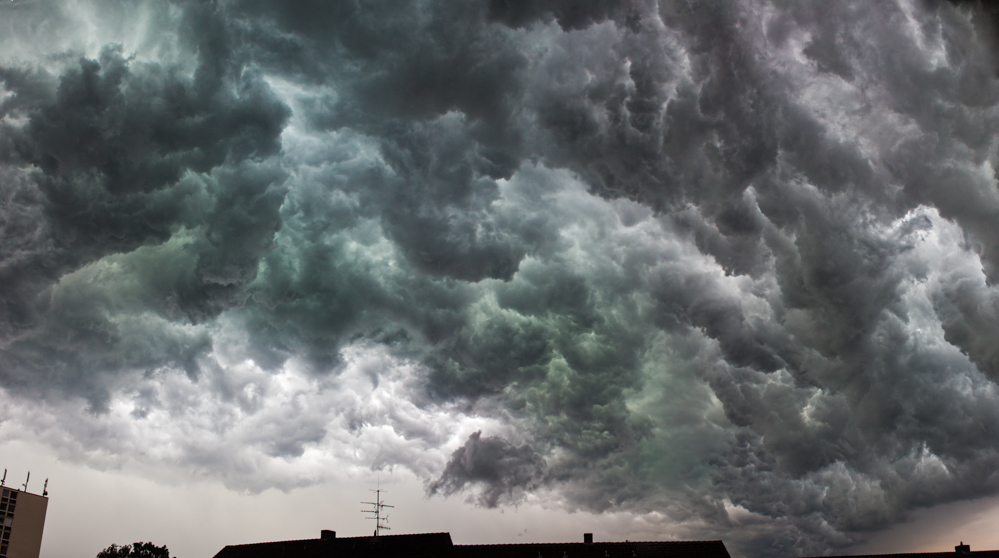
{"x":25,"y":485}
{"x":376,"y":509}
{"x":4,"y":480}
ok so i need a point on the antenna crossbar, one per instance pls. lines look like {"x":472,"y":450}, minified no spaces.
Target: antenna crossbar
{"x":376,"y":510}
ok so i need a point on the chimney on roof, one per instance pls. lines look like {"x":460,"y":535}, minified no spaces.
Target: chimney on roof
{"x":327,"y":535}
{"x":587,"y":537}
{"x":962,"y":548}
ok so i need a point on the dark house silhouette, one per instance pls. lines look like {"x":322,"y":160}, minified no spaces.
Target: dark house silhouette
{"x":434,"y":545}
{"x":959,"y":551}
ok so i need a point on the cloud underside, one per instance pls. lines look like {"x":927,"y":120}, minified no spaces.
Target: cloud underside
{"x":731,"y":262}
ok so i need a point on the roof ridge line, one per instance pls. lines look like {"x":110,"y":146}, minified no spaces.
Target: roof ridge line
{"x":602,"y":542}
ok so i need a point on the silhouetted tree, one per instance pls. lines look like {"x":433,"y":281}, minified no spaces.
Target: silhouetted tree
{"x":135,"y":550}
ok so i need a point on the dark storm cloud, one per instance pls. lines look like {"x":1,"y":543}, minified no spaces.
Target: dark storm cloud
{"x":115,"y":155}
{"x":501,"y":468}
{"x":711,"y":259}
{"x":440,"y":98}
{"x":838,"y":326}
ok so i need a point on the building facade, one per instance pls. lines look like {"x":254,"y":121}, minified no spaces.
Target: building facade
{"x":22,"y":519}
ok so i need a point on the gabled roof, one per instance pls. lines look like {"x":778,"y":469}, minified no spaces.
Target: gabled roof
{"x":664,"y":549}
{"x":425,"y":545}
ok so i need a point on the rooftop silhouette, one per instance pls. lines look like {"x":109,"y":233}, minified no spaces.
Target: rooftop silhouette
{"x":439,"y":545}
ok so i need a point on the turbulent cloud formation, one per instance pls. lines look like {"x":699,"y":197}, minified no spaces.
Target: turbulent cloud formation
{"x":731,"y":262}
{"x":493,"y":462}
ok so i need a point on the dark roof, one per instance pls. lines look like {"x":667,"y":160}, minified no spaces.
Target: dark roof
{"x":972,"y":554}
{"x":438,"y":545}
{"x":425,"y":545}
{"x":664,"y":549}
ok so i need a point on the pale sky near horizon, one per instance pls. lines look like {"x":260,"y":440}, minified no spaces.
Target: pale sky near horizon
{"x":688,"y":269}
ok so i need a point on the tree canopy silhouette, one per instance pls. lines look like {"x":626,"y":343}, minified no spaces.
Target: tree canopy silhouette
{"x":135,"y":550}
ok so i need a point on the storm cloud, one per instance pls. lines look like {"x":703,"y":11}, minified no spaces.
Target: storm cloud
{"x":734,"y":263}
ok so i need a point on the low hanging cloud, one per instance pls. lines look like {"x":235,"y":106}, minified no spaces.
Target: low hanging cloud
{"x":733,"y":263}
{"x":502,"y":468}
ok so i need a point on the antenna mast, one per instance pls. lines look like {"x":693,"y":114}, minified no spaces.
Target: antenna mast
{"x":376,"y":509}
{"x":25,"y":485}
{"x":4,"y":477}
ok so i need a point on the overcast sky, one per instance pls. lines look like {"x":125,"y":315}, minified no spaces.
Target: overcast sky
{"x":686,"y":269}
